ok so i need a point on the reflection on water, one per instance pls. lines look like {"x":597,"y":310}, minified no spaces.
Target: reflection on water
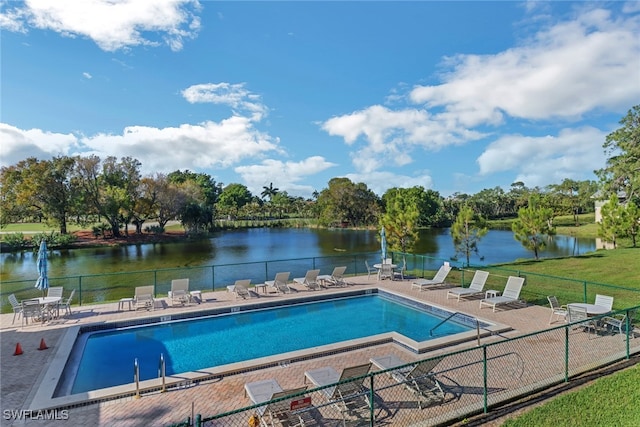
{"x":260,"y":244}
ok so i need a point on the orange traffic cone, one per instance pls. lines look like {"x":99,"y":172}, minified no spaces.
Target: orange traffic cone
{"x":18,"y":351}
{"x":43,"y":346}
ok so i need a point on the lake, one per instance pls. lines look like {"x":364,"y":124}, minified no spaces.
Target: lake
{"x":268,"y":244}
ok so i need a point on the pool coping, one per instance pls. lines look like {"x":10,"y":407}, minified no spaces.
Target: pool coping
{"x":44,"y":397}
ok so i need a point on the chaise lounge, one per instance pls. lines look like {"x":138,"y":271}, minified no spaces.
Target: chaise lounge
{"x":510,"y":295}
{"x":475,"y":288}
{"x":437,"y":280}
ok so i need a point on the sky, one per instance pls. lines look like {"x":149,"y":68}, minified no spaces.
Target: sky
{"x":452,"y":96}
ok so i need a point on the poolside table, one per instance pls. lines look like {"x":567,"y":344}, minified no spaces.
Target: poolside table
{"x":592,"y":309}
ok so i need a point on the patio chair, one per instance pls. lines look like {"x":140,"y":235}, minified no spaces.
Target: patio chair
{"x":579,"y":316}
{"x":385,"y":272}
{"x":560,"y":311}
{"x":66,"y":305}
{"x":476,"y":287}
{"x":348,"y":394}
{"x":370,"y":269}
{"x":280,"y":283}
{"x":510,"y":295}
{"x":604,"y":301}
{"x":335,"y":279}
{"x":55,"y":292}
{"x":179,"y":292}
{"x":400,"y":272}
{"x":437,"y":280}
{"x":310,"y":280}
{"x":31,"y":308}
{"x":419,"y":379}
{"x":241,"y":288}
{"x":17,"y":307}
{"x":143,"y":298}
{"x":619,"y":322}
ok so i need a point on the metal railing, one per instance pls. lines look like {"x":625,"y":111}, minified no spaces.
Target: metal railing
{"x":111,"y":287}
{"x":464,"y":383}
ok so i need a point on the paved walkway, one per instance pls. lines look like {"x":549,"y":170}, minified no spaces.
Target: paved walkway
{"x":21,"y":375}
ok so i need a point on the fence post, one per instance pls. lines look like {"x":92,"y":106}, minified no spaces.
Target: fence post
{"x":198,"y":420}
{"x":566,"y":354}
{"x":371,"y":401}
{"x":213,"y":278}
{"x":484,"y":375}
{"x":155,"y":282}
{"x":80,"y":290}
{"x":585,"y":290}
{"x":628,"y":330}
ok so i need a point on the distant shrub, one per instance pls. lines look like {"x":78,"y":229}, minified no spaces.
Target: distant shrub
{"x":53,"y":239}
{"x":155,"y":229}
{"x":15,"y":241}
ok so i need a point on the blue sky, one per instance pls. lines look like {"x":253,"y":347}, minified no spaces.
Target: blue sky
{"x":452,"y":96}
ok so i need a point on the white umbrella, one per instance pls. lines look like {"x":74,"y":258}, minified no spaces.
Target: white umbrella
{"x":383,"y":244}
{"x":43,"y":281}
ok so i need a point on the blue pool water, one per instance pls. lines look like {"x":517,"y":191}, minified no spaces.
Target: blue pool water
{"x":107,"y":359}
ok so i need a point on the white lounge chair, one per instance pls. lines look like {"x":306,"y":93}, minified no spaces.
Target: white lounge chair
{"x":179,"y":291}
{"x":557,"y":310}
{"x":419,"y":378}
{"x":286,"y":412}
{"x":510,"y":295}
{"x":143,"y":298}
{"x":400,"y":272}
{"x":280,"y":282}
{"x":475,"y":288}
{"x":349,"y":395}
{"x":437,"y":280}
{"x":604,"y":301}
{"x":241,"y":288}
{"x":310,"y":280}
{"x":335,"y":279}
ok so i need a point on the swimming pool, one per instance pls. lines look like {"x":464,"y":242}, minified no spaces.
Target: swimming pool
{"x":192,"y":345}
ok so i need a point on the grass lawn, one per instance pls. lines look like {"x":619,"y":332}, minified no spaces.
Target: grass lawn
{"x":609,"y":401}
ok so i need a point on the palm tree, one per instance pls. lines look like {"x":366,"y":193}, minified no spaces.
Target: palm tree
{"x":269,"y":191}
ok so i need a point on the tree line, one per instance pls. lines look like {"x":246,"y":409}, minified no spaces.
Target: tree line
{"x":88,"y":189}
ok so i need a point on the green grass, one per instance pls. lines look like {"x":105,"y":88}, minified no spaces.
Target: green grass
{"x":609,"y":401}
{"x":39,"y":227}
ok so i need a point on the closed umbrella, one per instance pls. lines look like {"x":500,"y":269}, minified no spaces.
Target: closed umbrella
{"x":383,"y":244}
{"x":43,"y":281}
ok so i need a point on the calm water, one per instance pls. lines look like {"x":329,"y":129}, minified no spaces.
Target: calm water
{"x":198,"y":344}
{"x":265,"y":244}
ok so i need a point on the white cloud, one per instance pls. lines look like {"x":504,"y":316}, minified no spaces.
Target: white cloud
{"x":539,"y":161}
{"x":380,"y":182}
{"x":18,"y":144}
{"x":87,"y":76}
{"x":391,"y":135}
{"x":283,"y":175}
{"x":565,"y":71}
{"x":205,"y":145}
{"x":233,"y":95}
{"x":112,"y":25}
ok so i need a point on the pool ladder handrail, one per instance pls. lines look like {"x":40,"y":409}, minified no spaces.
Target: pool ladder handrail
{"x":454,"y":314}
{"x":162,"y":372}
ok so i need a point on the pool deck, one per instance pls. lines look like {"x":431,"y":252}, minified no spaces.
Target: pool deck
{"x":21,"y":376}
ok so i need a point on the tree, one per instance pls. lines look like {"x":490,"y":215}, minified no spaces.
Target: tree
{"x":467,"y":230}
{"x":401,"y":216}
{"x":631,"y":216}
{"x":346,"y":203}
{"x":533,"y":226}
{"x":622,"y":172}
{"x":233,"y":197}
{"x":269,"y":192}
